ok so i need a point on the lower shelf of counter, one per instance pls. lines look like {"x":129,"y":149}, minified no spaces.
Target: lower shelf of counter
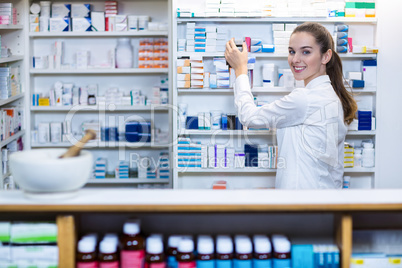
{"x":126,"y":181}
{"x":259,"y":170}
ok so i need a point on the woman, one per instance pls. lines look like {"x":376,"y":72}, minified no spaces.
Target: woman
{"x":311,"y":121}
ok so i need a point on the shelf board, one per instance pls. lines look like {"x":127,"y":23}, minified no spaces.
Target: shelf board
{"x":10,"y":27}
{"x":258,"y":170}
{"x":278,"y":19}
{"x":12,"y":138}
{"x":11,"y":59}
{"x":104,"y":145}
{"x":220,"y":132}
{"x":101,"y":71}
{"x":11,"y":99}
{"x":108,"y":108}
{"x":126,"y":181}
{"x":359,"y":170}
{"x":268,"y":55}
{"x":98,"y":34}
{"x":255,"y":90}
{"x":361,"y":133}
{"x":236,"y":170}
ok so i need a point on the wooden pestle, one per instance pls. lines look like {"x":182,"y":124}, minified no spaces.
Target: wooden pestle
{"x":76,"y":148}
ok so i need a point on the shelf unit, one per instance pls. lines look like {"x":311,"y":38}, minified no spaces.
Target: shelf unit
{"x":14,"y":38}
{"x":126,"y":181}
{"x":101,"y":43}
{"x":204,"y":100}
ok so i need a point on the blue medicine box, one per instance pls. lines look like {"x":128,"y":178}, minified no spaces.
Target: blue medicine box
{"x":192,"y":122}
{"x":357,"y":83}
{"x":132,"y":136}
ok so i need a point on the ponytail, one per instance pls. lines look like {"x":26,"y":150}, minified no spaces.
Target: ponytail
{"x":334,"y":71}
{"x":333,"y":67}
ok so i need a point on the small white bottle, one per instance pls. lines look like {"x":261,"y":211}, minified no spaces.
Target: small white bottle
{"x":288,"y":79}
{"x":268,"y":75}
{"x":357,"y":161}
{"x":346,"y":182}
{"x":124,"y":53}
{"x":368,"y":155}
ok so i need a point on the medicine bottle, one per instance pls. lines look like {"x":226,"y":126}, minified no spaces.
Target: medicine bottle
{"x":357,"y":157}
{"x":268,"y":75}
{"x":244,"y":252}
{"x":282,"y":257}
{"x":346,"y":182}
{"x":173,"y":244}
{"x":86,"y":254}
{"x":132,"y":254}
{"x":124,"y":53}
{"x":108,"y":257}
{"x":262,"y":252}
{"x":185,"y":256}
{"x":205,"y":252}
{"x":154,"y":249}
{"x":368,"y":155}
{"x":224,"y":252}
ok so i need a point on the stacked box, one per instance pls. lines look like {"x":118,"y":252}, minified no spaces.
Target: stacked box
{"x":348,"y":156}
{"x":153,"y":53}
{"x":138,"y":131}
{"x":190,"y":37}
{"x":212,"y":8}
{"x":219,"y":185}
{"x":281,"y":36}
{"x":342,"y":39}
{"x":110,"y":8}
{"x":145,"y":53}
{"x":222,"y":74}
{"x":360,"y":9}
{"x":184,"y":13}
{"x":211,"y":36}
{"x":160,"y":53}
{"x":197,"y":72}
{"x":164,"y":167}
{"x":251,"y":155}
{"x":199,"y":39}
{"x":227,"y":8}
{"x":6,"y":13}
{"x":5,"y":82}
{"x":189,"y":154}
{"x":316,"y":255}
{"x":365,"y":120}
{"x":183,"y":73}
{"x":122,"y":170}
{"x":100,"y":168}
{"x":222,"y":36}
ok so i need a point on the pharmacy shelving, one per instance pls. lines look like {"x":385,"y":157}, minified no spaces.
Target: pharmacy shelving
{"x":100,"y":46}
{"x":14,"y":137}
{"x":238,"y":170}
{"x":139,"y":71}
{"x":204,"y":100}
{"x":272,"y":55}
{"x":11,"y":59}
{"x":108,"y":108}
{"x":126,"y":181}
{"x":105,"y":145}
{"x":278,"y":19}
{"x":100,"y":34}
{"x":11,"y":27}
{"x":14,"y":38}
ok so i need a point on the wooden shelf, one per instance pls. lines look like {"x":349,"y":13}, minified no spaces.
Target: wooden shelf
{"x":12,"y":138}
{"x":106,"y":108}
{"x":101,"y":71}
{"x":99,"y":34}
{"x":11,"y":59}
{"x":11,"y":99}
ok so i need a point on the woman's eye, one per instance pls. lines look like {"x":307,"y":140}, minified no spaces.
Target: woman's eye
{"x":306,"y":52}
{"x":291,"y":52}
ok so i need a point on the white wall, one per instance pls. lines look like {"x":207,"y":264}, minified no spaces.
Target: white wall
{"x":389,"y":103}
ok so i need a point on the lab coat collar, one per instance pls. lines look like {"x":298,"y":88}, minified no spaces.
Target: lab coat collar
{"x":318,"y":81}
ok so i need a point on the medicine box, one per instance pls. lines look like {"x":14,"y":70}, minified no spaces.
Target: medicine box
{"x":98,"y":21}
{"x":59,"y":24}
{"x":80,"y":10}
{"x":61,"y":10}
{"x":81,"y":25}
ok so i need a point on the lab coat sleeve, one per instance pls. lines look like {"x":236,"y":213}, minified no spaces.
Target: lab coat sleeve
{"x":288,"y":111}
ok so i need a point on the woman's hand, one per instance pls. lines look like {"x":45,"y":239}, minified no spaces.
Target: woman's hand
{"x":236,"y":59}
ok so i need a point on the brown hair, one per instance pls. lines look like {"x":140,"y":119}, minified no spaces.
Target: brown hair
{"x":333,"y":67}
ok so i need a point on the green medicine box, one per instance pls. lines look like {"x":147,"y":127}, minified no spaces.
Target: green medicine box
{"x":5,"y":232}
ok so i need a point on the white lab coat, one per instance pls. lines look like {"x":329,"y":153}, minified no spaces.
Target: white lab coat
{"x":310,"y":132}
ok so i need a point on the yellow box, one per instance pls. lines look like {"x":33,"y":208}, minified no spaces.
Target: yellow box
{"x":43,"y":102}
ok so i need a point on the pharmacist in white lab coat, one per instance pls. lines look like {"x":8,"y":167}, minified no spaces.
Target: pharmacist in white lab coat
{"x":311,"y":122}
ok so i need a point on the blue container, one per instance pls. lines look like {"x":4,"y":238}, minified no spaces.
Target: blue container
{"x":172,"y":262}
{"x":206,"y":264}
{"x":262,"y":263}
{"x":144,"y":137}
{"x":132,"y":137}
{"x":242,"y":263}
{"x":282,"y":263}
{"x":132,"y":126}
{"x":224,"y":264}
{"x":192,"y":122}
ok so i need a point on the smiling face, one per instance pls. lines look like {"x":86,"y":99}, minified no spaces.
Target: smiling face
{"x":305,"y":58}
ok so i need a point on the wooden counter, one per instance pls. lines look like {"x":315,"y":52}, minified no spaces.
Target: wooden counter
{"x":339,"y":204}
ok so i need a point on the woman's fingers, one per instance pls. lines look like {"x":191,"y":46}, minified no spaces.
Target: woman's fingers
{"x":244,"y":47}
